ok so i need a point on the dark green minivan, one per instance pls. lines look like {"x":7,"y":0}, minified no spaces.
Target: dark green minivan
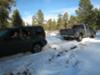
{"x":22,"y":39}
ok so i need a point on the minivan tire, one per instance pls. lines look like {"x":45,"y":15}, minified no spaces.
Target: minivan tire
{"x":36,"y":48}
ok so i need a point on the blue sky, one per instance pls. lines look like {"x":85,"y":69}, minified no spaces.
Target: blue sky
{"x":51,"y":8}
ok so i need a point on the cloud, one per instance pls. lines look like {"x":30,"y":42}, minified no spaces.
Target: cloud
{"x":96,"y":3}
{"x":27,"y":17}
{"x":53,"y":14}
{"x":47,"y":17}
{"x":28,"y":20}
{"x":71,"y":11}
{"x":97,"y":6}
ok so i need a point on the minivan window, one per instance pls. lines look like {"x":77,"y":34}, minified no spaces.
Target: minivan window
{"x":2,"y":33}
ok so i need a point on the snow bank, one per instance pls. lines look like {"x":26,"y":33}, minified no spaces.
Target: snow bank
{"x":90,"y":40}
{"x":52,"y":33}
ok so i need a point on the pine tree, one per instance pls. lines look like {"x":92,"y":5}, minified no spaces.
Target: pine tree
{"x":40,"y":17}
{"x":73,"y":20}
{"x":5,"y":7}
{"x":96,"y":18}
{"x":54,"y":23}
{"x":7,"y":3}
{"x":60,"y":22}
{"x":16,"y":19}
{"x":84,"y":11}
{"x":34,"y":21}
{"x":65,"y":19}
{"x":49,"y":23}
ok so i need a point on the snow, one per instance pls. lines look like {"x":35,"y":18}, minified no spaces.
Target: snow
{"x":89,"y":57}
{"x":59,"y":57}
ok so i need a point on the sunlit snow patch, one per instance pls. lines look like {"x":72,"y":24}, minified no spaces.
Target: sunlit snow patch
{"x":90,"y":40}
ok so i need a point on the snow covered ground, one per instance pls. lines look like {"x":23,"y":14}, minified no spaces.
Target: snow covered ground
{"x":59,"y":57}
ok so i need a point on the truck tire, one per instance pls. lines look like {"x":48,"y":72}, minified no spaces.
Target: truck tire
{"x":79,"y":38}
{"x":36,"y":48}
{"x":92,"y":36}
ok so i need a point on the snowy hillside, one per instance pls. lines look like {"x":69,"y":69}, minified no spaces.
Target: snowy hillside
{"x":59,"y":57}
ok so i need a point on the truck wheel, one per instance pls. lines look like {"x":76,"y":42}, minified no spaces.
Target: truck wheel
{"x":79,"y":38}
{"x":92,"y":36}
{"x":36,"y":48}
